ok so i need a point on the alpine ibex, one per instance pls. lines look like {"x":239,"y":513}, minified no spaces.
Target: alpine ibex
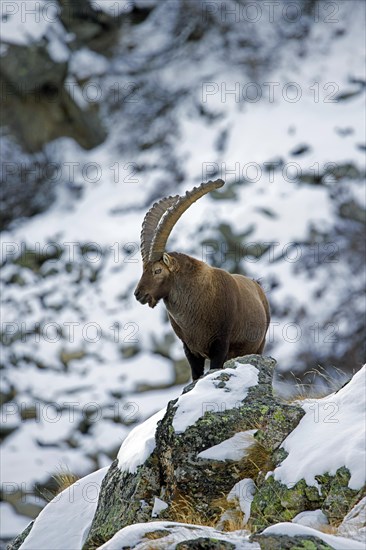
{"x":218,"y":316}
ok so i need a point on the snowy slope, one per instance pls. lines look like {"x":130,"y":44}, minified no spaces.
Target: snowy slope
{"x":74,"y":509}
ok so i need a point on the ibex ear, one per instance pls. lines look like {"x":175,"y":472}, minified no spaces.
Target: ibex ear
{"x":169,"y":261}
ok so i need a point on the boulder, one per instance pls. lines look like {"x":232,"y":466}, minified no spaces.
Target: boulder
{"x":209,"y":412}
{"x":38,"y":107}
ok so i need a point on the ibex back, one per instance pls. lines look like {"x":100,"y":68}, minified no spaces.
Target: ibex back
{"x":218,"y":316}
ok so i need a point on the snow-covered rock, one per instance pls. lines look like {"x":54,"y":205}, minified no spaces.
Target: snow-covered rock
{"x":285,"y":536}
{"x":167,"y":534}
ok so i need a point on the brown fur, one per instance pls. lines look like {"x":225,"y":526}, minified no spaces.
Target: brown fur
{"x":218,"y":316}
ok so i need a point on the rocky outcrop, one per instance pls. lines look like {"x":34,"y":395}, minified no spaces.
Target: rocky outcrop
{"x":177,"y":474}
{"x":191,"y":482}
{"x":38,"y":107}
{"x":205,"y":465}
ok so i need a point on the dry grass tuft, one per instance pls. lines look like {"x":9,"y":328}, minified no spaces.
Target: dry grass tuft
{"x":155,"y":535}
{"x":314,"y":383}
{"x":328,"y":529}
{"x":183,"y":510}
{"x":231,"y":516}
{"x":257,"y":459}
{"x":64,"y":478}
{"x":233,"y":521}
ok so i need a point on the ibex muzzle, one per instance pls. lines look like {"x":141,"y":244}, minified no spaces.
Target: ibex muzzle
{"x":218,"y":316}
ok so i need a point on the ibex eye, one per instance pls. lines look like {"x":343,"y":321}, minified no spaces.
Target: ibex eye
{"x":157,"y":271}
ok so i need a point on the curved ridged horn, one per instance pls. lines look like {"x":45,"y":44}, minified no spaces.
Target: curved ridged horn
{"x":173,"y":213}
{"x":150,"y":223}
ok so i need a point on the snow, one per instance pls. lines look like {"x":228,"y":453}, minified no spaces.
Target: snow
{"x":73,"y":509}
{"x":243,"y":491}
{"x":113,"y":7}
{"x":209,"y":394}
{"x":234,"y":448}
{"x":85,"y":63}
{"x":159,"y":506}
{"x":42,"y":461}
{"x":354,"y":523}
{"x":26,"y":21}
{"x":139,"y":444}
{"x":293,"y":529}
{"x":329,"y":436}
{"x":133,"y":536}
{"x":11,"y":522}
{"x":313,"y":518}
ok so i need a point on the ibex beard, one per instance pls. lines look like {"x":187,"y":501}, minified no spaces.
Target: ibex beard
{"x":217,"y":315}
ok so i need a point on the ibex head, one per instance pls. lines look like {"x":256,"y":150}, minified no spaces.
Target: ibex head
{"x":159,"y":266}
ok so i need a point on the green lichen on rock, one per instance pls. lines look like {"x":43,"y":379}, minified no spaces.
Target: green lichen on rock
{"x":181,"y":469}
{"x":124,"y":499}
{"x":339,"y":498}
{"x":285,"y":542}
{"x":275,"y":502}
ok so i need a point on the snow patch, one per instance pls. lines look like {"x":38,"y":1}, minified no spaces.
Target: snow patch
{"x":159,"y":506}
{"x":333,"y":430}
{"x":114,"y":8}
{"x":234,"y":448}
{"x":85,"y":63}
{"x":139,"y":444}
{"x":311,"y":519}
{"x":23,"y":22}
{"x":211,"y":394}
{"x":354,"y":524}
{"x":243,"y":491}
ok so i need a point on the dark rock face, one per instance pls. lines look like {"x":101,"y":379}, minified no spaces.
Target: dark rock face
{"x":125,"y":499}
{"x":176,"y":474}
{"x":30,"y":68}
{"x":284,"y":542}
{"x":91,"y":26}
{"x":37,"y":107}
{"x":205,"y":544}
{"x":18,"y":541}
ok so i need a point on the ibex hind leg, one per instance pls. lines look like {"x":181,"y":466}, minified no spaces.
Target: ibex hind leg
{"x":196,"y":363}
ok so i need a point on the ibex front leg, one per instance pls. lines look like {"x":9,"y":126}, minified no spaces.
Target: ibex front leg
{"x":218,"y":353}
{"x":197,"y":363}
